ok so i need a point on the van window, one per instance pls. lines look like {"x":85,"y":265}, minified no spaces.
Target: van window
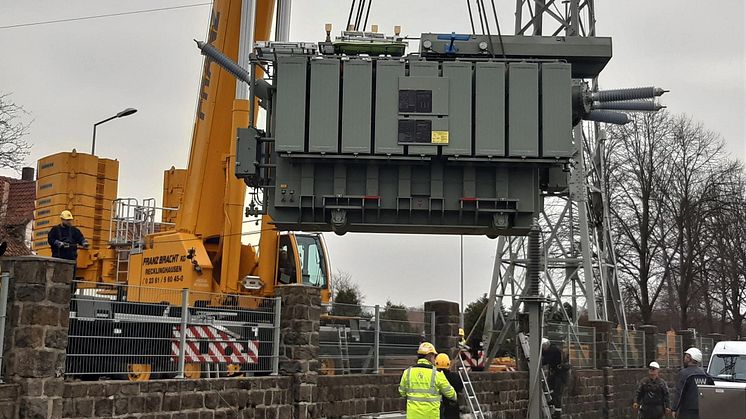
{"x":728,"y":367}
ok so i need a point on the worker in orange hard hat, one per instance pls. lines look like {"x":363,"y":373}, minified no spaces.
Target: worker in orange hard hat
{"x":65,"y":239}
{"x":423,"y":385}
{"x":449,"y":408}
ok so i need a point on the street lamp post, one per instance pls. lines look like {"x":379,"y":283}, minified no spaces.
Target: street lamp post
{"x":126,"y":112}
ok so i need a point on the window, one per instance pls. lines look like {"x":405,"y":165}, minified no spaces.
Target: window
{"x":312,"y":260}
{"x":286,"y":262}
{"x":728,"y":367}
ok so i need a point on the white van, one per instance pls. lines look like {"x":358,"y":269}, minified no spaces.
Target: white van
{"x":728,"y":363}
{"x":727,"y":398}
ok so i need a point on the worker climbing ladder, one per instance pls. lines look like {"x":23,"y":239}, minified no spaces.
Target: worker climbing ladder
{"x":469,"y":393}
{"x":546,"y":395}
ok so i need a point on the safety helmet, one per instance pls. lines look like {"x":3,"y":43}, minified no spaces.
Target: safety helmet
{"x":66,"y":215}
{"x":654,"y":365}
{"x":443,"y":361}
{"x":461,"y":331}
{"x":426,"y":348}
{"x":695,"y":353}
{"x":544,"y":343}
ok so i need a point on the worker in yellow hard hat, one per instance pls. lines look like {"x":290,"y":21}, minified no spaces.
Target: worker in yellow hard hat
{"x":65,"y":238}
{"x":423,"y":385}
{"x":461,"y":338}
{"x":449,"y":408}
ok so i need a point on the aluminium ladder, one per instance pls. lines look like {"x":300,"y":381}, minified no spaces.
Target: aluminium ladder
{"x":344,"y":350}
{"x":546,"y":393}
{"x":471,"y":395}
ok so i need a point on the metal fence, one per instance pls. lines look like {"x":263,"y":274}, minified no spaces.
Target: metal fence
{"x":578,"y":342}
{"x":141,"y":333}
{"x":627,"y":349}
{"x":669,"y":350}
{"x":371,"y":339}
{"x":705,"y":345}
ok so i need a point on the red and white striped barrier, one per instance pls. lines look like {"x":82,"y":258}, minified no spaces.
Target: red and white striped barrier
{"x":223,"y":346}
{"x":471,"y":363}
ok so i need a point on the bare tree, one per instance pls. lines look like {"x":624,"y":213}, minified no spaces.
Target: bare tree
{"x":677,"y":212}
{"x":689,"y":199}
{"x":346,"y":295}
{"x":728,"y":253}
{"x":13,"y":130}
{"x":637,"y":167}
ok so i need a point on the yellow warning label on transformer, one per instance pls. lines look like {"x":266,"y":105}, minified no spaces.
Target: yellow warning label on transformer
{"x":439,"y":137}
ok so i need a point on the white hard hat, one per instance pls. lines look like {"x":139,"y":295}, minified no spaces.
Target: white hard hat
{"x":695,"y":353}
{"x":544,"y":343}
{"x":655,"y":365}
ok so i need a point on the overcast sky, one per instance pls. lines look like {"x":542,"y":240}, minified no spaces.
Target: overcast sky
{"x":70,"y":75}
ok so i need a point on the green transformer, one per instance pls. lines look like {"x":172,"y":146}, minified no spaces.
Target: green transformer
{"x":452,"y":140}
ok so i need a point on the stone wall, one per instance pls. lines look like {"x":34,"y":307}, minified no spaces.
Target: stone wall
{"x":9,"y":401}
{"x":36,"y":332}
{"x":358,"y":394}
{"x":259,"y":397}
{"x":36,"y":339}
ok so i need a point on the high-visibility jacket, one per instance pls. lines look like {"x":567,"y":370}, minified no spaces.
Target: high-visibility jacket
{"x":423,"y":386}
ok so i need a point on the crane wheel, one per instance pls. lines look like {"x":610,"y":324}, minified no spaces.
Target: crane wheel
{"x":139,"y":372}
{"x":192,"y":371}
{"x":233,"y":370}
{"x":327,"y":367}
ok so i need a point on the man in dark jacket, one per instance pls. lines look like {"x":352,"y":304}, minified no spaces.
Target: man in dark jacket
{"x":559,"y":373}
{"x":449,"y":408}
{"x":686,"y":398}
{"x":652,"y":397}
{"x":65,"y":239}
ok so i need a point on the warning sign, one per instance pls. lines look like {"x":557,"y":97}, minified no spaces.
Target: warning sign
{"x":439,"y":137}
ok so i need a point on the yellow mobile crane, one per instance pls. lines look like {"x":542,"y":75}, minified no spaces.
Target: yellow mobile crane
{"x":202,"y":251}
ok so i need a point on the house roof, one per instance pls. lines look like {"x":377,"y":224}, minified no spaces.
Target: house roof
{"x":19,"y":212}
{"x":20,"y":201}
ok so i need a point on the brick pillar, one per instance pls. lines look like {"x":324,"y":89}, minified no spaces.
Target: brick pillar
{"x":603,"y":337}
{"x":651,"y":342}
{"x":687,"y":340}
{"x":299,"y":345}
{"x":36,"y":332}
{"x":446,"y":325}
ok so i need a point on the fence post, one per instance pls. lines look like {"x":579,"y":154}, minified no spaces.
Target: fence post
{"x":4,"y":284}
{"x":183,"y":330}
{"x":276,"y":337}
{"x":432,"y":326}
{"x":626,"y":349}
{"x":595,"y":357}
{"x":377,"y":341}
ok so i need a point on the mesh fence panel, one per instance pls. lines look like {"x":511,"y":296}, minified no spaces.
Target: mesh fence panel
{"x":113,"y":334}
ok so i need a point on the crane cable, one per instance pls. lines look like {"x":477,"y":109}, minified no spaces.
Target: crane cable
{"x":499,"y":34}
{"x":471,"y":17}
{"x":133,"y":12}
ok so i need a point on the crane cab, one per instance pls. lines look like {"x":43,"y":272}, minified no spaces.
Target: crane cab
{"x":307,"y":251}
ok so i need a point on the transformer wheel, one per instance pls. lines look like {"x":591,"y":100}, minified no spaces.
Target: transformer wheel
{"x":327,"y":367}
{"x":139,"y":372}
{"x":192,"y":371}
{"x":233,"y":370}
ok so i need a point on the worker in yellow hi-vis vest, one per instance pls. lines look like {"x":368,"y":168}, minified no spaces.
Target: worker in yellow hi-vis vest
{"x":423,"y":385}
